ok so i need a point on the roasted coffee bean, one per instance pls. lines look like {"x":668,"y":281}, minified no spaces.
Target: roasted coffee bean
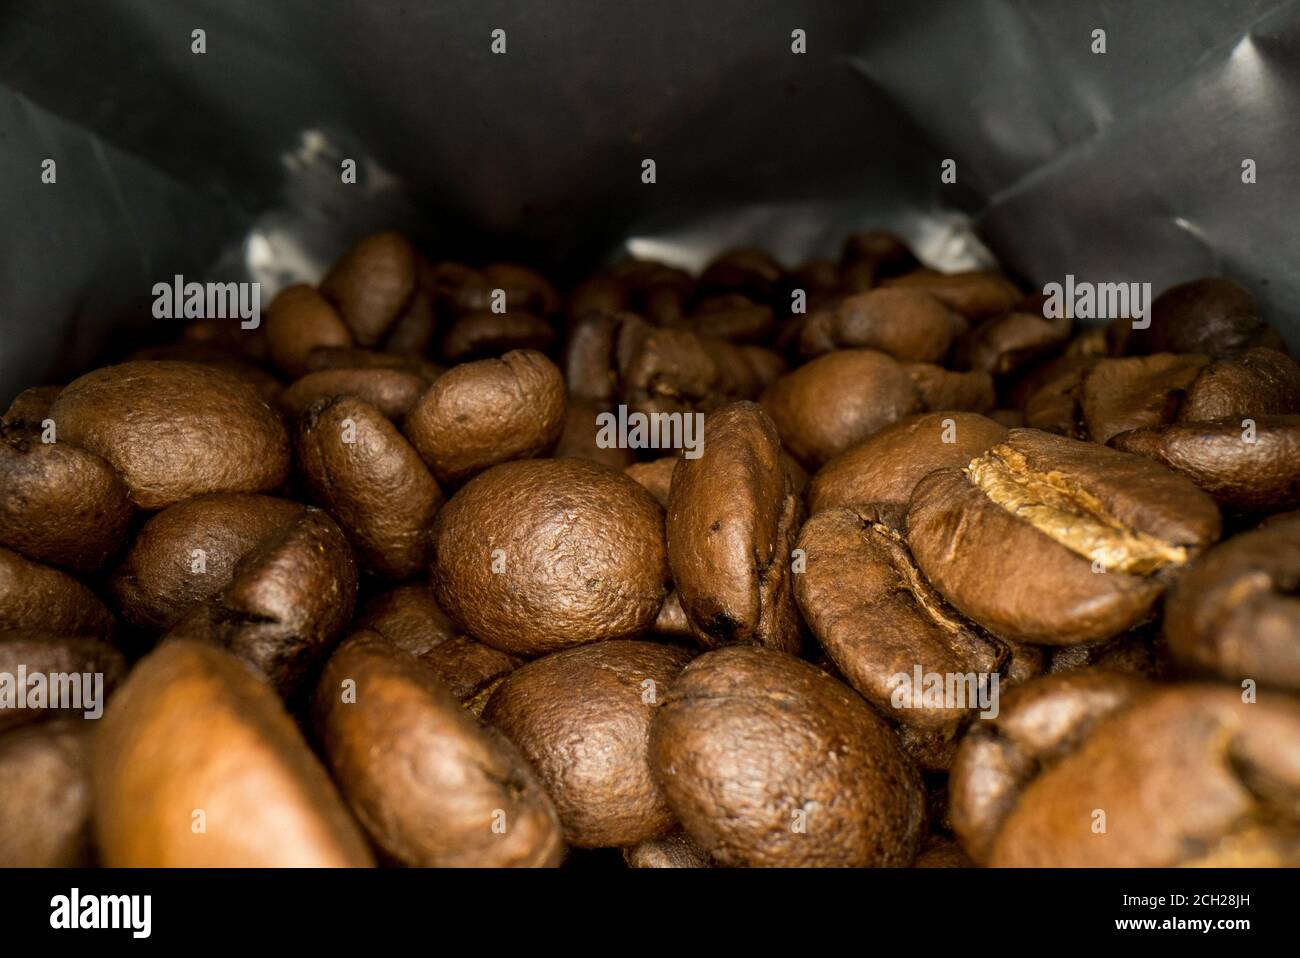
{"x":885,"y":467}
{"x":35,"y":596}
{"x":188,"y":553}
{"x":1052,"y":396}
{"x":748,"y":270}
{"x":1007,"y":342}
{"x":592,"y":362}
{"x":197,"y":764}
{"x":1247,"y":466}
{"x":264,"y":384}
{"x":1048,"y":540}
{"x":31,"y":406}
{"x":732,"y":519}
{"x":483,"y":413}
{"x":347,"y":357}
{"x":69,"y":665}
{"x":887,"y":253}
{"x":538,"y":555}
{"x":431,"y":785}
{"x":976,"y":295}
{"x":837,"y":400}
{"x":287,"y":602}
{"x":298,"y":321}
{"x":45,"y":796}
{"x":60,"y":505}
{"x":392,"y":391}
{"x":734,"y":317}
{"x":371,"y":480}
{"x":582,"y":719}
{"x":656,"y":476}
{"x":939,"y":851}
{"x":880,"y":622}
{"x":485,"y":334}
{"x":825,"y":782}
{"x":676,"y":850}
{"x":1211,"y":316}
{"x":410,"y":618}
{"x":580,"y":438}
{"x":1124,"y":394}
{"x":1140,"y":652}
{"x":175,"y":430}
{"x":523,"y":289}
{"x":942,"y":389}
{"x":372,"y":284}
{"x":597,"y":293}
{"x":1236,"y":612}
{"x":908,"y":324}
{"x":1186,"y":776}
{"x":1037,"y":724}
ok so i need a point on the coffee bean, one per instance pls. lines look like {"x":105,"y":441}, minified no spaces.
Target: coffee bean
{"x":674,"y":851}
{"x":53,"y":655}
{"x":45,"y":796}
{"x":431,"y":785}
{"x":538,"y":555}
{"x":582,"y":719}
{"x":372,"y":284}
{"x":1048,"y":540}
{"x":1212,"y":316}
{"x":825,"y":781}
{"x":35,"y":596}
{"x":197,"y":764}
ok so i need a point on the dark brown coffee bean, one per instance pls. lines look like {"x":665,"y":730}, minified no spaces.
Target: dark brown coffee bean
{"x":676,"y":370}
{"x":885,"y":467}
{"x":908,"y":324}
{"x":485,"y":334}
{"x":1047,"y":540}
{"x":976,"y":295}
{"x":175,"y":430}
{"x":287,"y":602}
{"x":943,"y":389}
{"x":1235,"y":611}
{"x":732,"y":520}
{"x":880,"y":622}
{"x":188,"y":552}
{"x":656,"y":476}
{"x":580,"y":438}
{"x":825,"y":781}
{"x":1247,"y":466}
{"x":1139,"y":652}
{"x":1009,"y":341}
{"x":483,"y":413}
{"x":747,"y":270}
{"x":1053,"y":396}
{"x":676,"y":850}
{"x":35,"y":596}
{"x":410,"y":618}
{"x":372,"y":285}
{"x":346,"y":357}
{"x":591,"y":361}
{"x":60,"y":505}
{"x":431,"y":785}
{"x":733,"y":317}
{"x":371,"y":480}
{"x":582,"y":719}
{"x":392,"y":391}
{"x":197,"y":764}
{"x":298,"y":321}
{"x":1185,"y":776}
{"x":1124,"y":394}
{"x":45,"y":796}
{"x":1038,"y":723}
{"x":57,"y":658}
{"x":886,"y":252}
{"x":597,"y":293}
{"x":413,"y":332}
{"x":538,"y":555}
{"x":31,"y":406}
{"x":942,"y":852}
{"x":1256,"y":382}
{"x":837,"y":400}
{"x":1212,"y":316}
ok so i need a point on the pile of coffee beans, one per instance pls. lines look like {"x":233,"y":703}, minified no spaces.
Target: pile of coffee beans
{"x":851,"y":564}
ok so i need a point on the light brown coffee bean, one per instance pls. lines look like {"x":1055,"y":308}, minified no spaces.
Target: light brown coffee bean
{"x":298,"y":321}
{"x":372,"y":284}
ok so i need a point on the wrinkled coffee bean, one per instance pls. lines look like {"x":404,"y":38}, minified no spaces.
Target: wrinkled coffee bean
{"x":825,"y":780}
{"x":885,"y":467}
{"x":836,"y":401}
{"x":538,"y":555}
{"x":1236,"y":612}
{"x":35,"y":596}
{"x":731,"y":524}
{"x":1211,"y":316}
{"x":1247,"y":466}
{"x":61,"y":505}
{"x":392,"y":391}
{"x":483,"y":413}
{"x":907,"y":324}
{"x":197,"y":764}
{"x":430,"y":784}
{"x":582,"y":719}
{"x":1048,"y":540}
{"x":175,"y":430}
